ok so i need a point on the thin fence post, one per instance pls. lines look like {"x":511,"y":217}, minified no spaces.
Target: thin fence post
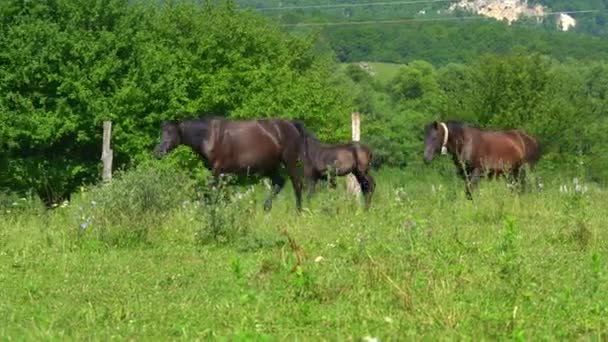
{"x":106,"y":152}
{"x":352,"y":185}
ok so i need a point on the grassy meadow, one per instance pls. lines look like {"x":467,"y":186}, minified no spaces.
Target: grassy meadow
{"x":142,"y":259}
{"x":383,"y":72}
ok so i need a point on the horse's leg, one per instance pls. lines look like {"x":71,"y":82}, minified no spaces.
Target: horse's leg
{"x":465,"y":173}
{"x":312,"y":183}
{"x":519,"y":174}
{"x":472,"y":181}
{"x":296,"y":181}
{"x":368,"y":185}
{"x":332,"y":180}
{"x":277,"y":184}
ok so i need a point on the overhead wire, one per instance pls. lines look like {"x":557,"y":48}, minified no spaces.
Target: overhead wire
{"x":407,"y":20}
{"x":415,"y":2}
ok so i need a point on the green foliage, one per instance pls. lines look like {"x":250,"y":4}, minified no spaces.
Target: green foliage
{"x":562,"y":104}
{"x":134,"y":203}
{"x":442,"y":42}
{"x":68,"y":65}
{"x":223,"y":212}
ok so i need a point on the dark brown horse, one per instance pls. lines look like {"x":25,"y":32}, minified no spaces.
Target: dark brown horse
{"x":242,"y":147}
{"x":476,"y":152}
{"x":323,"y":160}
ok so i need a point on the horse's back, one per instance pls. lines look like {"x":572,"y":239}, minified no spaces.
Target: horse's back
{"x":511,"y":148}
{"x":499,"y":149}
{"x":259,"y":144}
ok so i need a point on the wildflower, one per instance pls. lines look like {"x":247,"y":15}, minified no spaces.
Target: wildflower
{"x":388,"y":319}
{"x":319,"y":259}
{"x":83,"y":225}
{"x":371,"y":339}
{"x":93,"y":203}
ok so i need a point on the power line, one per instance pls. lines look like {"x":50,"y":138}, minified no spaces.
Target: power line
{"x":283,"y":8}
{"x":391,"y":21}
{"x":407,"y":20}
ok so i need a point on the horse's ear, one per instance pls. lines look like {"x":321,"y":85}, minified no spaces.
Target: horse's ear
{"x":435,"y":124}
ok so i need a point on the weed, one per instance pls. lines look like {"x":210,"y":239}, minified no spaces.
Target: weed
{"x":223,"y":213}
{"x":123,"y":212}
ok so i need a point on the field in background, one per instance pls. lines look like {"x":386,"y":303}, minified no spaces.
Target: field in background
{"x":383,"y":72}
{"x":423,"y":262}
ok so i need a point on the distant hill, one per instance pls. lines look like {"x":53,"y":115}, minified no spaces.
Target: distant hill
{"x":308,"y":11}
{"x":440,"y":32}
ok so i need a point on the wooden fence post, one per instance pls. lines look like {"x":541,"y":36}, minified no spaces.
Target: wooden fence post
{"x":352,"y":185}
{"x":106,"y":152}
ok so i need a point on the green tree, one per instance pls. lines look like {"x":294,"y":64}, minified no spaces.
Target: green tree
{"x":67,"y":65}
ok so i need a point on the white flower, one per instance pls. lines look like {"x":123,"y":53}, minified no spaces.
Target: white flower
{"x":371,"y":339}
{"x":319,"y":259}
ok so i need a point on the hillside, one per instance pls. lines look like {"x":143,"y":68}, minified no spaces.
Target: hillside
{"x":445,"y":32}
{"x":590,"y":17}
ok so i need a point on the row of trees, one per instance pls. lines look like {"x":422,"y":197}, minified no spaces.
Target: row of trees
{"x":319,"y":11}
{"x":67,"y":65}
{"x":463,"y":41}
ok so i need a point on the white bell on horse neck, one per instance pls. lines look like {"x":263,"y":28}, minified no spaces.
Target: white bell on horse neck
{"x":444,"y":150}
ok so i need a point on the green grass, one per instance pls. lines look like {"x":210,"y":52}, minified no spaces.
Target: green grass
{"x":383,"y":72}
{"x":422,"y":263}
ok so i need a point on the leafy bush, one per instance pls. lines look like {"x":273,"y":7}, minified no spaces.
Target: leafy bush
{"x":12,"y":204}
{"x":224,"y":212}
{"x":136,"y":201}
{"x":138,"y":63}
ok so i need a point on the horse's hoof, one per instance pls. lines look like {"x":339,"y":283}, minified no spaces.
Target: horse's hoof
{"x":267,"y":206}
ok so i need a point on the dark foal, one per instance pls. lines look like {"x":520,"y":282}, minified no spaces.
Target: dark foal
{"x":476,"y":152}
{"x":322,"y":160}
{"x":242,"y":147}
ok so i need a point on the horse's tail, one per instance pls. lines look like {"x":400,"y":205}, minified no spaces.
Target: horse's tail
{"x":534,"y":153}
{"x":361,"y":150}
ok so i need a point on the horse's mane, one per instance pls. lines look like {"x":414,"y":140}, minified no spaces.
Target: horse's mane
{"x":299,"y":125}
{"x":457,"y":127}
{"x":460,"y":124}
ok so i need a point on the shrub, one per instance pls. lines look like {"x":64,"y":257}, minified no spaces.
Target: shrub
{"x":224,"y":212}
{"x":125,"y":210}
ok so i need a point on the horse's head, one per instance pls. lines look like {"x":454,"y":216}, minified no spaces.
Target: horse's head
{"x":433,"y":140}
{"x":170,"y":138}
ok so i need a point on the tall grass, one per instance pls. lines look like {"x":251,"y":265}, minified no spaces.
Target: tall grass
{"x":422,"y":263}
